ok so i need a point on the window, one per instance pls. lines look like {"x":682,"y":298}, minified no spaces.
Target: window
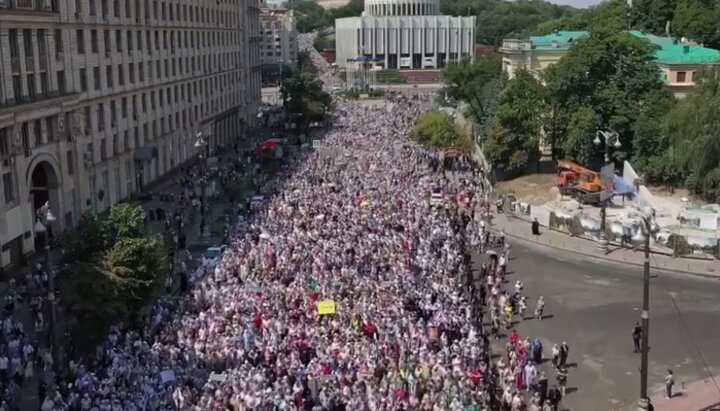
{"x":681,"y":76}
{"x":4,"y":142}
{"x":94,"y":41}
{"x":131,"y":73}
{"x":109,"y":75}
{"x":101,"y":116}
{"x":31,"y":86}
{"x":27,"y":39}
{"x":80,"y":41}
{"x":118,"y":40}
{"x":96,"y":77}
{"x":123,"y":107}
{"x":91,"y":9}
{"x":141,"y":72}
{"x":44,"y":86}
{"x":121,"y":75}
{"x":83,"y":80}
{"x":69,"y":160}
{"x":58,"y":42}
{"x":103,"y":150}
{"x":9,"y":189}
{"x":116,"y":145}
{"x":42,"y":50}
{"x":128,"y":177}
{"x":50,"y":128}
{"x":37,"y":129}
{"x":113,"y":113}
{"x":61,"y":81}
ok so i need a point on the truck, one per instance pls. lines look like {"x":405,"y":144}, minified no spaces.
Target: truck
{"x":582,"y":184}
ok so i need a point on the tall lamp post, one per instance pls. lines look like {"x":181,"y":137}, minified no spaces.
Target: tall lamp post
{"x":609,"y":138}
{"x":200,"y":145}
{"x":45,"y":218}
{"x":644,"y":401}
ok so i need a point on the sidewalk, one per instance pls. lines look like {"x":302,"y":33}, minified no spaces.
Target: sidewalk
{"x":701,"y":395}
{"x":520,"y":229}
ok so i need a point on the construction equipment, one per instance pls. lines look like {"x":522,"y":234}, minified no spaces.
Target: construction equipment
{"x":584,"y":185}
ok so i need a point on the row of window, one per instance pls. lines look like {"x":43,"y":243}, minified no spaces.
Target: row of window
{"x":166,"y":11}
{"x":171,"y":40}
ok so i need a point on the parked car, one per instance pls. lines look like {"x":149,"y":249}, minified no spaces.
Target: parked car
{"x":212,"y":255}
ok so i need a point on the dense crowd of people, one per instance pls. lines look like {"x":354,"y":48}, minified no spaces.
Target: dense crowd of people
{"x":358,"y":227}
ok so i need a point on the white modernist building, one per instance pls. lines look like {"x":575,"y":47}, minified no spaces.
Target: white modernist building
{"x":404,"y":34}
{"x":99,"y":99}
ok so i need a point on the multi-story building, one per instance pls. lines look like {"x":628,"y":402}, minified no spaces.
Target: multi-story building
{"x":279,"y":46}
{"x":98,"y":98}
{"x":404,"y":34}
{"x":253,"y":75}
{"x":677,"y":60}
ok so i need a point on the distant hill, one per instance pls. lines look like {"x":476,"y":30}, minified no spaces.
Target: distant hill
{"x":332,"y":4}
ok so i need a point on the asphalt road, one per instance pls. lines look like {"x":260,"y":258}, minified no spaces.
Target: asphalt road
{"x":594,"y":307}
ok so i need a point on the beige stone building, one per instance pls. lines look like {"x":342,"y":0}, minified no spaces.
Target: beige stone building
{"x":99,"y":98}
{"x":279,"y":45}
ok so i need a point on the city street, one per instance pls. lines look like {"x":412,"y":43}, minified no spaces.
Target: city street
{"x":593,"y":307}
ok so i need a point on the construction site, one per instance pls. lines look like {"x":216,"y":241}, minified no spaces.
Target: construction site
{"x":611,"y":204}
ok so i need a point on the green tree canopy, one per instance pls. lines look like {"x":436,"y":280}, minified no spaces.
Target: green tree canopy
{"x":309,"y":16}
{"x":437,"y":129}
{"x":693,"y":132}
{"x":112,"y":268}
{"x":517,"y":126}
{"x":612,"y":75}
{"x":475,"y":83}
{"x":498,"y":19}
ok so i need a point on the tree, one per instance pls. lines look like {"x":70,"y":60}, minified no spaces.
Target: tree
{"x":517,"y":126}
{"x":128,"y":221}
{"x":309,"y":16}
{"x":303,"y":95}
{"x":497,"y":20}
{"x":112,"y":269}
{"x":693,"y":132}
{"x":698,"y":20}
{"x":609,"y":15}
{"x":652,"y":15}
{"x":437,"y":129}
{"x":612,"y":75}
{"x":477,"y":84}
{"x":650,"y":143}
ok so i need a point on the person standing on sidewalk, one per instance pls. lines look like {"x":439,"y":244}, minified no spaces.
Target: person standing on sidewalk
{"x":564,"y":354}
{"x":637,"y":336}
{"x":669,"y":383}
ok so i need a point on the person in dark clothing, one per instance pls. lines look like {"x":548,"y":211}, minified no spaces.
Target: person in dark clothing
{"x":637,"y":333}
{"x":535,"y":227}
{"x":554,"y":397}
{"x":542,"y":387}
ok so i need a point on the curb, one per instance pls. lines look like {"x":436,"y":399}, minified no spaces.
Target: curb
{"x":607,"y":261}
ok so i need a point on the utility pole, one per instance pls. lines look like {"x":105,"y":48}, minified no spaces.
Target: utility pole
{"x":644,"y":402}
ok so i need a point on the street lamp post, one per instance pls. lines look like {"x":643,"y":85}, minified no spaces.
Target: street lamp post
{"x":200,"y":145}
{"x":608,"y":137}
{"x":44,"y":214}
{"x":644,"y":401}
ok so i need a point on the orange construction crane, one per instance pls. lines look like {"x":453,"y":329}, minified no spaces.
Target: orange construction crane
{"x":579,"y":182}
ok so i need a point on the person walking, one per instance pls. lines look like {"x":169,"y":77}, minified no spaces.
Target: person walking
{"x":539,"y":308}
{"x":637,"y":333}
{"x":669,"y":383}
{"x":554,"y":397}
{"x":555,"y":355}
{"x":564,"y":353}
{"x":562,"y":380}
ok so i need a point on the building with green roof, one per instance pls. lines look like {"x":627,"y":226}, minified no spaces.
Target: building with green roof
{"x":678,"y":61}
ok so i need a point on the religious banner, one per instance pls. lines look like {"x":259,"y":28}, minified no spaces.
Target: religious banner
{"x":326,"y":307}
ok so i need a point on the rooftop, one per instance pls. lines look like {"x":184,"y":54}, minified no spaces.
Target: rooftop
{"x":669,"y":50}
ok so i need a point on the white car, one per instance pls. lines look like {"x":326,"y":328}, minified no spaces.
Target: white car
{"x":212,"y":256}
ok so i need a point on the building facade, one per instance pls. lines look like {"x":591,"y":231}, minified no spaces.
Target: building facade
{"x":279,"y":47}
{"x":678,"y":61}
{"x":404,"y":34}
{"x":99,"y":98}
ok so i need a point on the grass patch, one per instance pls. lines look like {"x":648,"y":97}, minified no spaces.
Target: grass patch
{"x":390,"y":77}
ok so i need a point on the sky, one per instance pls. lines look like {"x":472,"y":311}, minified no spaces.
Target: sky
{"x":576,"y":3}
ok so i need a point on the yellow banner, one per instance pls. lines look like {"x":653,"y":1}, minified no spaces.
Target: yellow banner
{"x":326,"y":307}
